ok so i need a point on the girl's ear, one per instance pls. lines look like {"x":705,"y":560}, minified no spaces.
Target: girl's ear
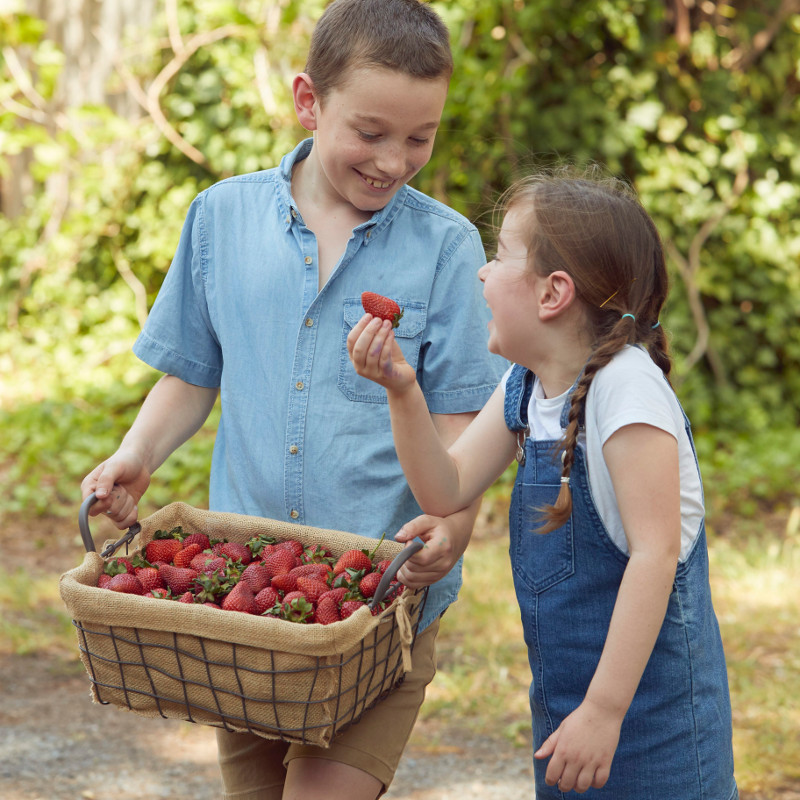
{"x":305,"y":101}
{"x":557,"y":295}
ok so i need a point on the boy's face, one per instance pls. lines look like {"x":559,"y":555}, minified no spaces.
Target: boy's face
{"x":374,"y":133}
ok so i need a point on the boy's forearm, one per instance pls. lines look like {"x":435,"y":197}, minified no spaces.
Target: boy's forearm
{"x":172,"y":412}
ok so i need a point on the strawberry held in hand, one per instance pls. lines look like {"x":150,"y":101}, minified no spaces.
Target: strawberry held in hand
{"x":381,"y":307}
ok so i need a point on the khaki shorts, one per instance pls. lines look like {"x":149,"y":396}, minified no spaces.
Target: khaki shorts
{"x":254,"y":768}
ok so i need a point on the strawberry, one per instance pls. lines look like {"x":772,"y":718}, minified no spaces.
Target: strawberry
{"x":327,"y":611}
{"x":295,"y":608}
{"x":178,"y":579}
{"x":257,"y":575}
{"x":292,"y":545}
{"x":161,"y":550}
{"x":118,"y":565}
{"x":150,"y":578}
{"x":266,"y":600}
{"x":103,"y":580}
{"x":241,"y":598}
{"x":125,"y":582}
{"x":350,"y":607}
{"x":158,"y":593}
{"x":336,"y":594}
{"x":186,"y":597}
{"x":208,"y":563}
{"x":319,"y":571}
{"x":382,"y":307}
{"x":369,"y":583}
{"x":197,"y":538}
{"x":353,"y":559}
{"x":234,"y":551}
{"x":285,"y":582}
{"x":279,"y":562}
{"x":183,"y":558}
{"x":382,"y":566}
{"x":261,"y":545}
{"x":312,"y":588}
{"x":316,"y":554}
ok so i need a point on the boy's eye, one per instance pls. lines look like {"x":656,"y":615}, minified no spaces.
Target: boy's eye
{"x":368,"y":137}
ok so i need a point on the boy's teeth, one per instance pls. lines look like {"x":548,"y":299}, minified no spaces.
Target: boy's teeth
{"x":378,"y":184}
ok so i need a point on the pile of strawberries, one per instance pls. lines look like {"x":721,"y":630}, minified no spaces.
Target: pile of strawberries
{"x":265,"y":576}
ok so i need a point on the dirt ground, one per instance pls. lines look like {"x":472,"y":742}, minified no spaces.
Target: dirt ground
{"x":56,"y":744}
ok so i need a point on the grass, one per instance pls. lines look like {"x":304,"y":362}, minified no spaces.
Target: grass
{"x":482,"y":683}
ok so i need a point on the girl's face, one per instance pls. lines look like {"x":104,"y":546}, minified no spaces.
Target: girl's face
{"x":509,"y":287}
{"x":374,"y":133}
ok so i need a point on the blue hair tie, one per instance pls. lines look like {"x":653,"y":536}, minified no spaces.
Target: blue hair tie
{"x":628,"y":315}
{"x":658,"y":322}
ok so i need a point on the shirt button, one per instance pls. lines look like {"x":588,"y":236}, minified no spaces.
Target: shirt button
{"x":288,"y":219}
{"x":308,"y":259}
{"x":309,"y":322}
{"x":294,"y":213}
{"x":369,"y":233}
{"x":299,"y":385}
{"x":294,"y":513}
{"x":293,"y":449}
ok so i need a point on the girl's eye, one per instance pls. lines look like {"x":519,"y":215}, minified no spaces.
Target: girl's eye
{"x":419,"y":142}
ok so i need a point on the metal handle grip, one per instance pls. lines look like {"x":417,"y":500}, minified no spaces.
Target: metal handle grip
{"x":86,"y":534}
{"x":413,"y":547}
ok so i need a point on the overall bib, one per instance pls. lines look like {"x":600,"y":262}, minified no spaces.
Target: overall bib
{"x":675,"y":741}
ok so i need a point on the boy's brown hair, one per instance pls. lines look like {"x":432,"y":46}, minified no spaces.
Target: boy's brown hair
{"x":402,"y":35}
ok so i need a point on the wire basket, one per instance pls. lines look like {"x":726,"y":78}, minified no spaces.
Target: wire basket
{"x":277,"y":679}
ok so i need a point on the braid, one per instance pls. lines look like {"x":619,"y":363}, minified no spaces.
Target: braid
{"x":622,"y":333}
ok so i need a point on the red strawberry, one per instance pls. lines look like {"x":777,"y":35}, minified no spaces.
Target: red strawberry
{"x":161,"y":550}
{"x":257,"y":575}
{"x":382,"y":566}
{"x":234,"y":551}
{"x":207,"y":562}
{"x":240,"y":598}
{"x":315,"y":554}
{"x":369,"y":583}
{"x":159,"y":593}
{"x":197,"y":538}
{"x":183,"y":558}
{"x":118,"y":565}
{"x":337,"y":594}
{"x":211,"y":605}
{"x":279,"y":562}
{"x":319,"y":571}
{"x":186,"y":597}
{"x":353,"y":559}
{"x":350,"y":607}
{"x":150,"y":578}
{"x":178,"y":579}
{"x":296,"y":608}
{"x":127,"y":583}
{"x":265,"y":600}
{"x":292,"y":545}
{"x":103,"y":580}
{"x":312,"y":588}
{"x":327,"y":611}
{"x":284,"y":583}
{"x":383,"y":307}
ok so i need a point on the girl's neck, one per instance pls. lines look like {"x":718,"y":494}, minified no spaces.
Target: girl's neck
{"x":559,"y":370}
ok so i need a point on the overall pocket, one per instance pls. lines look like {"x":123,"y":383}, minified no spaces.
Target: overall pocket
{"x":539,"y":560}
{"x":408,"y":335}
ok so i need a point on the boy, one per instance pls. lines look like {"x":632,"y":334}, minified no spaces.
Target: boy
{"x":257,"y":305}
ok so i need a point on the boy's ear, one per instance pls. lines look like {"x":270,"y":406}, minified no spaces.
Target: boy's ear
{"x":305,"y":101}
{"x":556,"y":295}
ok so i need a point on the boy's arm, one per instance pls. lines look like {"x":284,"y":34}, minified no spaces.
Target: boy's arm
{"x":643,"y":463}
{"x":171,"y":413}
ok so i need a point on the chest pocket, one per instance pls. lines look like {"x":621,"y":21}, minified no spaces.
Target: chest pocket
{"x":538,"y":560}
{"x":408,"y":335}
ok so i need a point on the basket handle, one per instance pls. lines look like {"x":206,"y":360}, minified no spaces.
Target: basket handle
{"x":413,"y":547}
{"x":86,"y":534}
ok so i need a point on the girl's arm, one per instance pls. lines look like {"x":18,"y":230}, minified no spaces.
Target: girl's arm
{"x":171,"y":413}
{"x":643,"y":463}
{"x":443,"y":481}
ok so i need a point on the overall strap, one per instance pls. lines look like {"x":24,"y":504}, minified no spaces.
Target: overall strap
{"x":519,"y":388}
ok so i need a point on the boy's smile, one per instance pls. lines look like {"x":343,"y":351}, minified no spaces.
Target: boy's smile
{"x":372,"y":135}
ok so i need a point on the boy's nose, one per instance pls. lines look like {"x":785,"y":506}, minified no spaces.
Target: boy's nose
{"x":392,"y":161}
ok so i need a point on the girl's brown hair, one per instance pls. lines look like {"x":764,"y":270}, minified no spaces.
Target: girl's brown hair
{"x":594,"y":228}
{"x":402,"y":35}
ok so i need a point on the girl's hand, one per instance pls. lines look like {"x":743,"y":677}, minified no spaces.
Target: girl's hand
{"x":581,"y":749}
{"x":119,"y":483}
{"x":438,"y":556}
{"x":376,"y":355}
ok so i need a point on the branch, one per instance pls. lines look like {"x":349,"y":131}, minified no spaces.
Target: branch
{"x":742,"y":58}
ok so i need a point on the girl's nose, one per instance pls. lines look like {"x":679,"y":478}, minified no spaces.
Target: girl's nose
{"x":483,"y":272}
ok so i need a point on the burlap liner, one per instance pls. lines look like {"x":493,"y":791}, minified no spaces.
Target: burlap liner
{"x":279,"y":679}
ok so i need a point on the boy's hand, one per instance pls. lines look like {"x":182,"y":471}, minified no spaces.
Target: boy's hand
{"x":581,"y":749}
{"x":436,"y":559}
{"x":376,"y":355}
{"x":119,"y":483}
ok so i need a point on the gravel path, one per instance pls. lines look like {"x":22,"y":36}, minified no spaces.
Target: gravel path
{"x":55,"y":744}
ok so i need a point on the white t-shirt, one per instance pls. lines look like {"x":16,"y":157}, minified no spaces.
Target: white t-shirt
{"x":630,"y":389}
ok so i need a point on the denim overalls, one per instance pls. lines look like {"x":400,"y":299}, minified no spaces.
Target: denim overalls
{"x":675,"y":742}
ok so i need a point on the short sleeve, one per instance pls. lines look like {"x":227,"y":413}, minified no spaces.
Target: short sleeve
{"x":178,"y":337}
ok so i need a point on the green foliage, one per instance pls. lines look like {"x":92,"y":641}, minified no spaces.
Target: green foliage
{"x":696,"y":111}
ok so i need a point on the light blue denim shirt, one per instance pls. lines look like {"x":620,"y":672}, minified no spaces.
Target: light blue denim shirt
{"x":302,"y":437}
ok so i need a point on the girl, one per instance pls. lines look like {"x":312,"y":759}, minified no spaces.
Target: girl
{"x":629,"y":693}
